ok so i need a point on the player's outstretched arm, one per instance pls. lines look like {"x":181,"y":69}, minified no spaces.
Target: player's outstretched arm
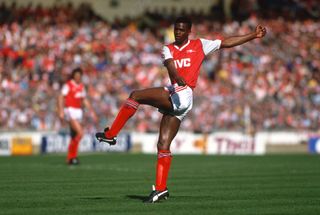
{"x":238,"y":40}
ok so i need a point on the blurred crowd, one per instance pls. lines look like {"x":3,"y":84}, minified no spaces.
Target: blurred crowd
{"x":266,"y":84}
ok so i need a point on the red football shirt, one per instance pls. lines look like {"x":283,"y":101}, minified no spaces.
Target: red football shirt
{"x":189,"y":57}
{"x":73,"y":94}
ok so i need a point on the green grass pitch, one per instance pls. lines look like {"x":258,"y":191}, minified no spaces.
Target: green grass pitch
{"x":116,"y":183}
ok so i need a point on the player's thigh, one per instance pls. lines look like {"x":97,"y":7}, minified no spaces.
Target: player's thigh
{"x":157,"y":97}
{"x":169,"y":128}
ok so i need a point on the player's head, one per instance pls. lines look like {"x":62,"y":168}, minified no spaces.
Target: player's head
{"x":182,"y":29}
{"x":76,"y":75}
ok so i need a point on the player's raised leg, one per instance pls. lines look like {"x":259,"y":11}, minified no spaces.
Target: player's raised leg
{"x":157,"y":97}
{"x":168,"y":129}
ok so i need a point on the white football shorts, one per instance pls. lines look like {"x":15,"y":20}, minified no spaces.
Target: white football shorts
{"x":73,"y":113}
{"x":182,"y":100}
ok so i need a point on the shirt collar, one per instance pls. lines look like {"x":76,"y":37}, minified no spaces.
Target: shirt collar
{"x":182,"y":47}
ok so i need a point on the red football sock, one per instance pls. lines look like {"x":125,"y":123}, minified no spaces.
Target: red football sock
{"x":127,"y":110}
{"x":73,"y":147}
{"x":163,"y":166}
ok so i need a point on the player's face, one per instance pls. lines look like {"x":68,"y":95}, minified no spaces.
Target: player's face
{"x":77,"y":77}
{"x":181,"y":33}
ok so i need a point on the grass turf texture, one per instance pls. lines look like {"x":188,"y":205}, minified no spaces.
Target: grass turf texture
{"x":116,"y":183}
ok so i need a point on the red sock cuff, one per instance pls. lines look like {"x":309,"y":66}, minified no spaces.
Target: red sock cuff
{"x":164,"y":153}
{"x":132,"y":103}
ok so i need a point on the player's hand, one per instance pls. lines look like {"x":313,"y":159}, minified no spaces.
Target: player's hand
{"x":180,"y":81}
{"x":260,"y":31}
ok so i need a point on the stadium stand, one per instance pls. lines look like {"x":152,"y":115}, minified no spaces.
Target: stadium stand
{"x":277,"y":79}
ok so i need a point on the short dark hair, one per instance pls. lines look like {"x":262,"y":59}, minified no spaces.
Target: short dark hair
{"x":75,"y":71}
{"x":184,"y":19}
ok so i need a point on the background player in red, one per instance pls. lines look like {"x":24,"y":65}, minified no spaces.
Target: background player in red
{"x":182,"y":59}
{"x":70,"y":101}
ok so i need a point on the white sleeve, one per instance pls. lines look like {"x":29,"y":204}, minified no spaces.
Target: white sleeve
{"x":166,"y":54}
{"x":65,"y":90}
{"x":210,"y":46}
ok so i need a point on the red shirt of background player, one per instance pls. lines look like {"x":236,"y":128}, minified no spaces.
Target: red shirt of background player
{"x":73,"y":94}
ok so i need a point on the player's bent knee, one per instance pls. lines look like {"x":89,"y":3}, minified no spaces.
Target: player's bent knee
{"x":137,"y":96}
{"x":134,"y":95}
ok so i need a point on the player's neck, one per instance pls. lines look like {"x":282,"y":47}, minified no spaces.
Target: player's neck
{"x":75,"y":82}
{"x":179,"y":44}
